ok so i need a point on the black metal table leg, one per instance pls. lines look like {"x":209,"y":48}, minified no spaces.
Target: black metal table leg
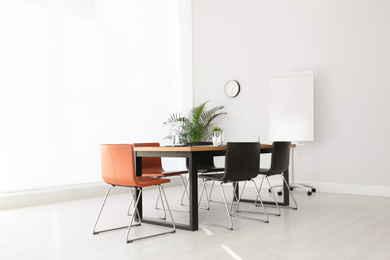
{"x":286,"y":191}
{"x":138,"y":172}
{"x":193,"y":189}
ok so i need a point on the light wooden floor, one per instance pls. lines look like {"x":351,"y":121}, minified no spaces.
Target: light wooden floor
{"x":325,"y":226}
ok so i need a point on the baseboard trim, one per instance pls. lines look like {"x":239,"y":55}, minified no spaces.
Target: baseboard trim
{"x":58,"y":194}
{"x":53,"y":194}
{"x":370,"y":190}
{"x":98,"y":189}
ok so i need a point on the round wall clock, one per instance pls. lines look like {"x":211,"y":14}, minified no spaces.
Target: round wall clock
{"x":232,"y":88}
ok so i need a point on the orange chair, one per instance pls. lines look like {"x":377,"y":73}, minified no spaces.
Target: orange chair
{"x":152,"y":167}
{"x":118,"y":169}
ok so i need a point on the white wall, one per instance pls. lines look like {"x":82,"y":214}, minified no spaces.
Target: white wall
{"x":74,"y":74}
{"x":345,"y":42}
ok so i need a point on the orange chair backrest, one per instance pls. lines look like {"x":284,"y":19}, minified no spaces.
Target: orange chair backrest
{"x":118,"y":166}
{"x":150,"y":164}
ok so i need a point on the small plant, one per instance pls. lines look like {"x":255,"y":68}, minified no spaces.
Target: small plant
{"x":216,"y":128}
{"x":193,"y":127}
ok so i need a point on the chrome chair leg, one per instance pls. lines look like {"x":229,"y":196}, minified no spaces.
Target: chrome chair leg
{"x":290,"y":193}
{"x":101,"y":209}
{"x":185,"y":185}
{"x":254,"y":212}
{"x":178,"y":210}
{"x":162,"y":203}
{"x":229,"y":212}
{"x":134,"y":193}
{"x":163,"y":208}
{"x":261,"y":201}
{"x":156,"y":205}
{"x":131,"y":203}
{"x":186,"y":191}
{"x":273,"y":194}
{"x":133,"y":216}
{"x":95,"y":232}
{"x":135,"y":211}
{"x":201,"y":195}
{"x":169,"y":209}
{"x":159,"y":198}
{"x":242,"y":191}
{"x":211,"y":190}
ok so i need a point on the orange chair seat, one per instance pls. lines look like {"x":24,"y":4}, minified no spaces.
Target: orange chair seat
{"x":152,"y":166}
{"x":146,"y":181}
{"x":157,"y":173}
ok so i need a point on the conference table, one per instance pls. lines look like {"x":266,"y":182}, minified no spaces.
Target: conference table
{"x":192,"y":153}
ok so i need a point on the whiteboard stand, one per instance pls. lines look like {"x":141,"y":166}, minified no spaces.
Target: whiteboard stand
{"x":293,"y":185}
{"x":291,"y":113}
{"x":308,"y":188}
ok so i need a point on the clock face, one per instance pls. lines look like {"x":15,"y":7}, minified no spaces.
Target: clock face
{"x":232,"y":88}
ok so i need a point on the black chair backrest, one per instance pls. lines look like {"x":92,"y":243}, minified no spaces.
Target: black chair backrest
{"x":242,"y":161}
{"x":204,"y":162}
{"x":280,"y":157}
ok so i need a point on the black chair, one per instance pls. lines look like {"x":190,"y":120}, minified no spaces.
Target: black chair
{"x":205,"y":165}
{"x":280,"y":159}
{"x":241,"y":164}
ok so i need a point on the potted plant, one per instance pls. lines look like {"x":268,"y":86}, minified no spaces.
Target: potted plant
{"x":193,"y":127}
{"x":217,"y":135}
{"x":216,"y":129}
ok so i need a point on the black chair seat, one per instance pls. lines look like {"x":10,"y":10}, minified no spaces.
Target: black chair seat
{"x":213,"y":177}
{"x":265,"y":171}
{"x":208,"y":168}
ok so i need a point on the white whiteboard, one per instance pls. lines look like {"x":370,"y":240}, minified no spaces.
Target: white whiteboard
{"x":291,"y":107}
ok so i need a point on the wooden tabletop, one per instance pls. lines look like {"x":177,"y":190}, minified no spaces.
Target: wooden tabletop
{"x":180,"y":148}
{"x":191,"y":148}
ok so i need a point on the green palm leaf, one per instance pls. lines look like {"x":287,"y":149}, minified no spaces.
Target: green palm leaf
{"x":195,"y":126}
